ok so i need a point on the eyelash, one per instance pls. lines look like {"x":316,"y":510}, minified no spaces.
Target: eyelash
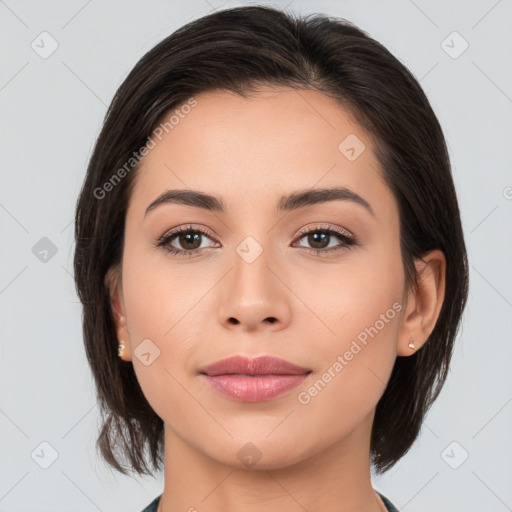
{"x":165,"y":240}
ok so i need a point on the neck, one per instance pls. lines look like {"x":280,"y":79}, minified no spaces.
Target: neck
{"x":335,"y":480}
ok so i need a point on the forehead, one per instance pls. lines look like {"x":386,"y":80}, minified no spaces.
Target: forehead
{"x":247,"y":150}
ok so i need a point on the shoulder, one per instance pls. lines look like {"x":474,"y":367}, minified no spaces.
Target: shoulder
{"x":389,"y":505}
{"x":153,"y":505}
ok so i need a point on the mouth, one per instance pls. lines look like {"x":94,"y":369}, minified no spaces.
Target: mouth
{"x":244,"y":379}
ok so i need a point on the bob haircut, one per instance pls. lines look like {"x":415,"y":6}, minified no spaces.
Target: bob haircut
{"x":240,"y":49}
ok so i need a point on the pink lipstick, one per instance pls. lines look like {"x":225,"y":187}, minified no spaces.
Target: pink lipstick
{"x":253,"y":380}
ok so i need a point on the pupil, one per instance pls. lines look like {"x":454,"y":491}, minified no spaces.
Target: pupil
{"x":314,"y":239}
{"x":190,"y":238}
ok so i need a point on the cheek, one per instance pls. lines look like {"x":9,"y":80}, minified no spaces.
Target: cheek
{"x":357,"y":361}
{"x":160,"y":343}
{"x":351,"y":296}
{"x":162,"y":311}
{"x":360,"y":307}
{"x":160,"y":298}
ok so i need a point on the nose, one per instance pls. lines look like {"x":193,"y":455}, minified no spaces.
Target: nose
{"x":254,"y":298}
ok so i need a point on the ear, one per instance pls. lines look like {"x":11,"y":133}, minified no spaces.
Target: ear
{"x":113,"y":284}
{"x":423,"y":303}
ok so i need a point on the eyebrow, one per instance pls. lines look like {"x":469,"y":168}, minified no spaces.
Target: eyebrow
{"x":287,"y":203}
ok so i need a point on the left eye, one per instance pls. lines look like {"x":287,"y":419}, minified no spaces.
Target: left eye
{"x":319,"y":239}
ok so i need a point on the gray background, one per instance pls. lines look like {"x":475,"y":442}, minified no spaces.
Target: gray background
{"x":52,"y":109}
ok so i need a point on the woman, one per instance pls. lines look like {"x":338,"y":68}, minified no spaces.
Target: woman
{"x":271,"y":263}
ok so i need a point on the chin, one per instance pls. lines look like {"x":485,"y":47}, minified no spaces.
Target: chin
{"x":258,"y":455}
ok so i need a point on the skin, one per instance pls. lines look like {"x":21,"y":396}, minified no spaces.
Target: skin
{"x":249,"y":152}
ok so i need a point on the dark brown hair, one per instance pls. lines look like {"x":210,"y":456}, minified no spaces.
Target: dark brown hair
{"x":238,"y":50}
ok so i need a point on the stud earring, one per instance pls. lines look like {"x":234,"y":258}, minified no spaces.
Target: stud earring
{"x":411,"y":344}
{"x":120,"y":349}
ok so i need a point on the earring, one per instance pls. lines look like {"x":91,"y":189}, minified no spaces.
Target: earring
{"x":411,"y":344}
{"x":120,"y":349}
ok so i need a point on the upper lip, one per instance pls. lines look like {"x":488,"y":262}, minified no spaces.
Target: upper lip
{"x":263,"y":365}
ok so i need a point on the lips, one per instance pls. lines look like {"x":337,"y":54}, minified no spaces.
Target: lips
{"x":244,"y":365}
{"x":246,"y":379}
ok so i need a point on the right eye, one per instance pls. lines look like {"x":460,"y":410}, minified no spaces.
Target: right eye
{"x":187,"y":236}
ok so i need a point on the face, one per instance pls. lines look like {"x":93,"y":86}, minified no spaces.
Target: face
{"x":319,"y":284}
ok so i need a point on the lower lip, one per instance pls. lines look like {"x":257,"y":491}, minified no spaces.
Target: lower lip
{"x":254,"y":389}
